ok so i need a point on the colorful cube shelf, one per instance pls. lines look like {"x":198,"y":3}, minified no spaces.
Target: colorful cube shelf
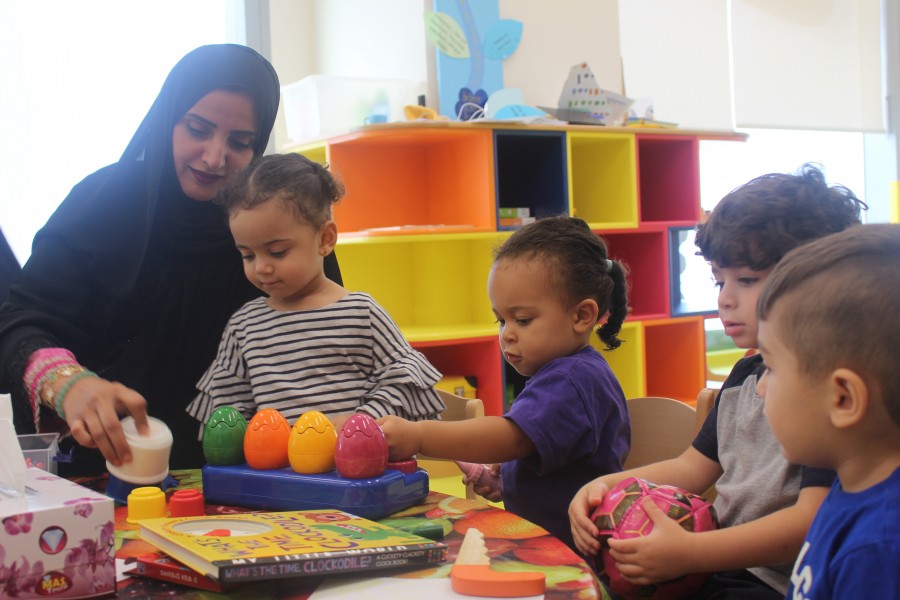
{"x":420,"y":221}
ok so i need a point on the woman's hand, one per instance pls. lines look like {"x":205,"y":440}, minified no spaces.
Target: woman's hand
{"x":403,"y":437}
{"x":93,"y":407}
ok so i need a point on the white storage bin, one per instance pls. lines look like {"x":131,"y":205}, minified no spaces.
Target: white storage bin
{"x":320,"y":106}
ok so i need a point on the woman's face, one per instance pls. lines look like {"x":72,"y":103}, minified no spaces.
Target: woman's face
{"x":213,"y":141}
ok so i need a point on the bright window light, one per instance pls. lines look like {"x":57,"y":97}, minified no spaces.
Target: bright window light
{"x":78,"y":78}
{"x":727,"y":165}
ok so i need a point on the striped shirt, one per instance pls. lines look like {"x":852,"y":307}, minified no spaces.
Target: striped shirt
{"x":342,"y":358}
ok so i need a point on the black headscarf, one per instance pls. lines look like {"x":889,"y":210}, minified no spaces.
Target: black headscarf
{"x":130,"y":215}
{"x":134,"y":277}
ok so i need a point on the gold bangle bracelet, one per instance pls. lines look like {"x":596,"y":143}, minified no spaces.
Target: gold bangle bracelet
{"x":48,"y":395}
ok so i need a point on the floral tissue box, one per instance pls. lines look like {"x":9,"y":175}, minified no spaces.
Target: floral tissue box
{"x":57,"y":541}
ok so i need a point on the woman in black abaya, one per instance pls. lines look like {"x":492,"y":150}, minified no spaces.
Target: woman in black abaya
{"x":136,"y":273}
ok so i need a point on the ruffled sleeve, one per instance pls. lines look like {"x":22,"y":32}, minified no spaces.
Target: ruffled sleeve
{"x":403,"y":378}
{"x":225,"y":383}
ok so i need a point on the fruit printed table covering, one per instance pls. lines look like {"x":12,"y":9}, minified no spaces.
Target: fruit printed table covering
{"x":513,"y":544}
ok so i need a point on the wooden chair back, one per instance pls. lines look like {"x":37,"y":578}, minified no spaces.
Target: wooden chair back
{"x":706,"y":399}
{"x":661,"y":428}
{"x":458,"y":408}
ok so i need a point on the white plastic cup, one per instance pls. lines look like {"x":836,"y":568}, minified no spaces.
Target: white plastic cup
{"x":149,"y":453}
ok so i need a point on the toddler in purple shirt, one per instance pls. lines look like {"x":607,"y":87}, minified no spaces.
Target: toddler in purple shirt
{"x":551,"y":285}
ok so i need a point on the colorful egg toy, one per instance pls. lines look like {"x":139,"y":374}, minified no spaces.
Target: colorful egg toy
{"x":361,"y":450}
{"x":312,"y":444}
{"x":266,"y":440}
{"x":223,"y":437}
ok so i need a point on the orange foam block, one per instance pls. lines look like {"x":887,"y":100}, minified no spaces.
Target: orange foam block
{"x":472,"y":574}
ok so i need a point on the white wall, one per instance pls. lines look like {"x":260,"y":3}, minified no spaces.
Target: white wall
{"x":350,"y":38}
{"x":386,"y":39}
{"x":818,"y":66}
{"x":766,"y":63}
{"x":677,"y":53}
{"x":371,"y":38}
{"x":557,"y":36}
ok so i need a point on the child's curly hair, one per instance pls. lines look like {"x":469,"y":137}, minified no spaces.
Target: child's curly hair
{"x":759,"y":222}
{"x":579,"y":266}
{"x":304,"y":186}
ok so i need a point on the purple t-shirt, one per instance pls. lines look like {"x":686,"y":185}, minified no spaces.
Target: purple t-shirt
{"x":573,"y":411}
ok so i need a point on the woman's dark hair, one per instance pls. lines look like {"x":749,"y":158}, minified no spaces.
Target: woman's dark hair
{"x":759,"y":222}
{"x":304,"y":186}
{"x":578,"y":265}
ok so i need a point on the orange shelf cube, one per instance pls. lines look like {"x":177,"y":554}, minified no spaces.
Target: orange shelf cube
{"x":675,"y":357}
{"x":415,"y":177}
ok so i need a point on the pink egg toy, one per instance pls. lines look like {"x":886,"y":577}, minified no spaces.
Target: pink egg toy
{"x":361,"y":450}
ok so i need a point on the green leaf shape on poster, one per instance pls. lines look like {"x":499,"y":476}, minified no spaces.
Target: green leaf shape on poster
{"x":446,"y":34}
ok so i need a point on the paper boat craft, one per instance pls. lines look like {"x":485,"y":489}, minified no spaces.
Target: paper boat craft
{"x":583,"y":101}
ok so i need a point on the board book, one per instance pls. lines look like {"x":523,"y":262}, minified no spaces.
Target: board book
{"x":274,"y":545}
{"x":159,"y":565}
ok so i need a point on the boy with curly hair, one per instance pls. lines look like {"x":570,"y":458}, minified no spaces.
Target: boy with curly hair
{"x":764,"y":503}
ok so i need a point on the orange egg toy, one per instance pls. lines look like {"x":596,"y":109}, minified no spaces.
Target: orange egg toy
{"x":266,"y":440}
{"x":312,"y":443}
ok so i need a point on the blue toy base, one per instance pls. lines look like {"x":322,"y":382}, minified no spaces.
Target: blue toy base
{"x":284,"y":489}
{"x":118,"y":489}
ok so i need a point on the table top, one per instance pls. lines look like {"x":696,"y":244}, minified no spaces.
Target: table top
{"x":513,"y":544}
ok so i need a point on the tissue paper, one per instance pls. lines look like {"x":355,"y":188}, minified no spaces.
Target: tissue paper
{"x":12,"y":467}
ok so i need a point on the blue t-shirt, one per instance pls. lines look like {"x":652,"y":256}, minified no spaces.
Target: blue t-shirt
{"x":852,"y":549}
{"x":573,"y":410}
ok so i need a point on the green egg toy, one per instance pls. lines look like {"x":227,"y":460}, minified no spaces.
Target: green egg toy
{"x":223,"y":437}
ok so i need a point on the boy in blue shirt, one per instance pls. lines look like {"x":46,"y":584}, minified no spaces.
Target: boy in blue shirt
{"x":764,"y":503}
{"x":828,"y":331}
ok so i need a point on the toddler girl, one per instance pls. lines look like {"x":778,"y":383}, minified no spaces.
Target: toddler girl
{"x":311,"y":344}
{"x":551,"y":284}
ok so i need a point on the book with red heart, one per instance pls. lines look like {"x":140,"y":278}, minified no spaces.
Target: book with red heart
{"x":259,"y":546}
